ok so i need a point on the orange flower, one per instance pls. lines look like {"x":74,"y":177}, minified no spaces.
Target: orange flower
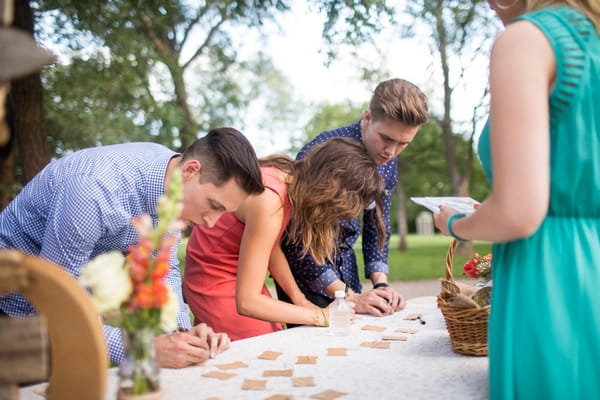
{"x":160,"y":270}
{"x":159,"y":294}
{"x":142,"y":297}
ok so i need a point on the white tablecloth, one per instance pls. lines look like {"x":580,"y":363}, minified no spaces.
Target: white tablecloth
{"x":422,"y":367}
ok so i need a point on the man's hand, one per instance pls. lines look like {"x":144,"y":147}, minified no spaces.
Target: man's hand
{"x":180,"y":349}
{"x":378,"y":302}
{"x":393,"y":298}
{"x":217,"y":342}
{"x":195,"y":346}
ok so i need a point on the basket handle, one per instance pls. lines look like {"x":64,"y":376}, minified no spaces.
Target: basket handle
{"x":449,"y":259}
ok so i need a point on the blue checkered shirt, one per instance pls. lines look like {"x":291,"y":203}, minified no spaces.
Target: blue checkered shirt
{"x":81,"y":205}
{"x":312,"y":277}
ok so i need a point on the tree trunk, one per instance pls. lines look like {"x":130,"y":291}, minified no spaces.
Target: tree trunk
{"x":401,"y":213}
{"x":30,"y":119}
{"x":460,"y":184}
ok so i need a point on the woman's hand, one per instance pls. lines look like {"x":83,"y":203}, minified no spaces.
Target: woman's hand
{"x":441,"y":218}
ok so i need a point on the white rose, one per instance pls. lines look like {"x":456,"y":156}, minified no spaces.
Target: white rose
{"x":108,"y":280}
{"x":168,"y":314}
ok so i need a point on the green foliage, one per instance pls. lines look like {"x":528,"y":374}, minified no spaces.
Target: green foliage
{"x":331,"y":116}
{"x":353,"y":22}
{"x":464,"y":21}
{"x":328,"y":116}
{"x":146,"y":70}
{"x":100,"y":109}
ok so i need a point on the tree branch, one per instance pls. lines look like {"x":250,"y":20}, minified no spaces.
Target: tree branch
{"x":193,"y":22}
{"x":206,"y":42}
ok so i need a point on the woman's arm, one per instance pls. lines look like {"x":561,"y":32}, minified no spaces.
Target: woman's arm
{"x":281,"y":272}
{"x":263,"y":216}
{"x":522,"y":71}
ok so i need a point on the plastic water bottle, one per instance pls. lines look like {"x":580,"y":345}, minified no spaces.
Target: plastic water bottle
{"x":339,"y":315}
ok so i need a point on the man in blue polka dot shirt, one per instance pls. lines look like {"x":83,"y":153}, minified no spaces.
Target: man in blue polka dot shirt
{"x":81,"y":205}
{"x":396,"y":111}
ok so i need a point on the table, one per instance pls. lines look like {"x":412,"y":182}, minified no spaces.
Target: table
{"x":422,"y":367}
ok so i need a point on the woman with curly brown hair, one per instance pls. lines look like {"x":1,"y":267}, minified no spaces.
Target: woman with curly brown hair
{"x":226,"y":264}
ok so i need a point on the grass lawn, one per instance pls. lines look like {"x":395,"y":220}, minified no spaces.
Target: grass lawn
{"x":424,"y":259}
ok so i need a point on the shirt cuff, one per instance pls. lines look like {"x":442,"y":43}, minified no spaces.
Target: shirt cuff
{"x":183,"y":318}
{"x":377,"y":266}
{"x":114,"y":342}
{"x":324,"y":280}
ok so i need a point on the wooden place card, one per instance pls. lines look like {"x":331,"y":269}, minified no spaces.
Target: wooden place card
{"x":278,"y":372}
{"x":394,"y":337}
{"x":376,"y":345}
{"x":218,"y":375}
{"x":303,"y":381}
{"x":328,"y":395}
{"x":270,"y":355}
{"x":406,"y":330}
{"x":375,"y":328}
{"x":307,"y":360}
{"x":254,"y":384}
{"x":237,"y":364}
{"x":337,"y":351}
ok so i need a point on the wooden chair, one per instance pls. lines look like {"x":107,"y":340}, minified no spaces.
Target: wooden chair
{"x":78,"y":360}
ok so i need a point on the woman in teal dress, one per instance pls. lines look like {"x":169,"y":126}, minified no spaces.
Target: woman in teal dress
{"x":541,"y":151}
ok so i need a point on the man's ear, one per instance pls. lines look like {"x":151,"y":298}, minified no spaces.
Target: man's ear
{"x":366,"y":115}
{"x":191,"y":168}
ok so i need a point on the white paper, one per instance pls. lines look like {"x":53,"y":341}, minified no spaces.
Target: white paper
{"x":461,"y":204}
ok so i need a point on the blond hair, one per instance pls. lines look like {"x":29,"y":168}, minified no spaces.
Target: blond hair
{"x":399,"y":100}
{"x":591,"y":8}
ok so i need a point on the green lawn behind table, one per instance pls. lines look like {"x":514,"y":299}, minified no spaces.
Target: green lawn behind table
{"x":425,"y":258}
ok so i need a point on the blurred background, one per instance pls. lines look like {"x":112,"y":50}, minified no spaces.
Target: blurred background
{"x":281,"y":71}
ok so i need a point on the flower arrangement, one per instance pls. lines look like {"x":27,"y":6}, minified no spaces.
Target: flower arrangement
{"x":130,"y":292}
{"x":479,"y":266}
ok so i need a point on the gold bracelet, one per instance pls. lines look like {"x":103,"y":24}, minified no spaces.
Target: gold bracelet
{"x":316,"y":317}
{"x":324,"y":312}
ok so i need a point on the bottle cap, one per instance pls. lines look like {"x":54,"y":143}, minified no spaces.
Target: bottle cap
{"x":340,"y":294}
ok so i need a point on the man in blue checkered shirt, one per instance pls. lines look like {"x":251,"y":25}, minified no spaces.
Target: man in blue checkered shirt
{"x":396,"y":111}
{"x":81,"y":205}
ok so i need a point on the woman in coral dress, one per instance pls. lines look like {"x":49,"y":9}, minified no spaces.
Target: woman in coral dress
{"x":226,"y":265}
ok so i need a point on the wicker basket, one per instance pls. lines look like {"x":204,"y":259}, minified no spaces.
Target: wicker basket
{"x":467,"y":326}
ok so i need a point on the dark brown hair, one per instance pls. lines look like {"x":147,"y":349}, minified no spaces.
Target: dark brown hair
{"x":335,"y":180}
{"x":226,"y":153}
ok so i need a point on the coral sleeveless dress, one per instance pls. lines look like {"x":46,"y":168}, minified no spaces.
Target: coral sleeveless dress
{"x":544,"y":331}
{"x":209,"y":282}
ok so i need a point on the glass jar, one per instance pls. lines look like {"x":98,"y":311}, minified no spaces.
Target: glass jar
{"x":138,"y":371}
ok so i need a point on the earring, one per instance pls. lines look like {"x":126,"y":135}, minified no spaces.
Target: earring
{"x":503,"y":7}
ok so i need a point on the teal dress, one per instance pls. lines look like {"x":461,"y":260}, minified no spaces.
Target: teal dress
{"x":544,"y":329}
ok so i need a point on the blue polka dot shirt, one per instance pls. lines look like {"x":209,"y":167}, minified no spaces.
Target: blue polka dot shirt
{"x":312,"y":277}
{"x":80,"y":206}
